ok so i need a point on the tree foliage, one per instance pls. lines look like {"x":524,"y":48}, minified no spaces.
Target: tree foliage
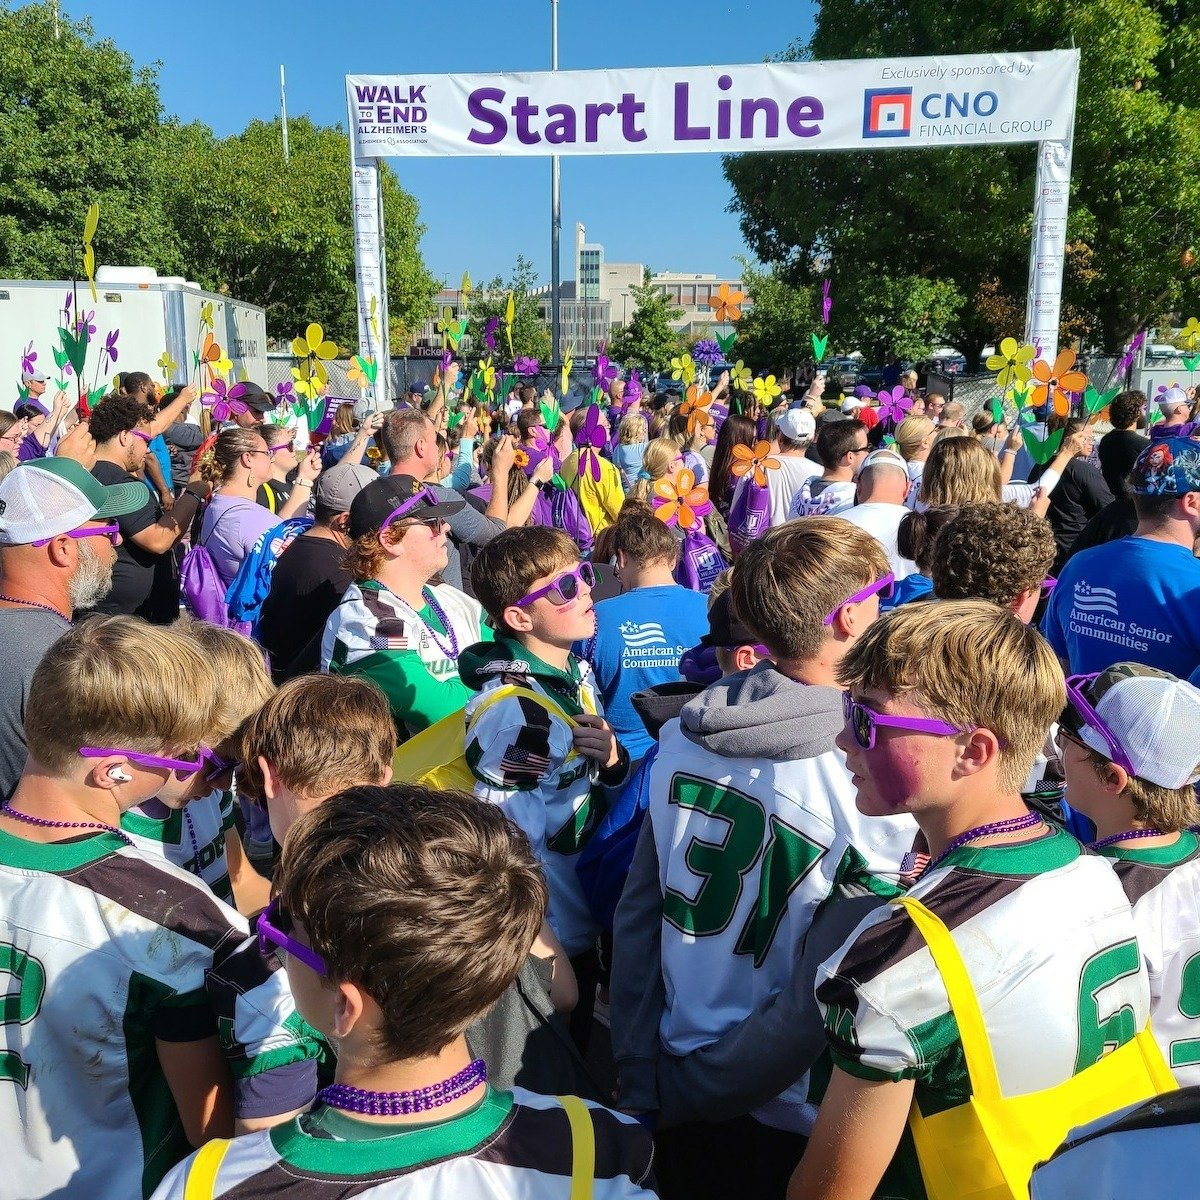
{"x":648,"y":341}
{"x":774,"y":334}
{"x":963,"y":214}
{"x":530,"y":336}
{"x":80,"y":122}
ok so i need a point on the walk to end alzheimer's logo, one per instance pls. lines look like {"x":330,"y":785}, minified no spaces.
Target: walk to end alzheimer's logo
{"x":646,"y":645}
{"x":393,"y":112}
{"x":1096,"y":613}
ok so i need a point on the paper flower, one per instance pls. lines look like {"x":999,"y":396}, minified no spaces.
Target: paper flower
{"x":695,"y":407}
{"x":604,"y":372}
{"x":739,"y":376}
{"x":1134,"y":346}
{"x":206,"y":314}
{"x":224,"y":401}
{"x":758,"y":460}
{"x":83,"y":323}
{"x":526,"y":366}
{"x":727,"y":303}
{"x":568,"y":365}
{"x":89,"y":254}
{"x":826,"y":303}
{"x":683,"y":368}
{"x":510,"y":315}
{"x":706,"y":352}
{"x":678,"y":500}
{"x":167,"y":365}
{"x":110,"y":347}
{"x":767,"y":391}
{"x":373,"y":316}
{"x":1059,"y":379}
{"x":1190,"y":333}
{"x":285,"y":393}
{"x":28,"y":359}
{"x":1011,"y":364}
{"x":894,"y":405}
{"x":591,"y":439}
{"x":308,"y":386}
{"x":314,"y":344}
{"x":487,"y":376}
{"x":208,"y":355}
{"x":489,"y":333}
{"x":362,"y":371}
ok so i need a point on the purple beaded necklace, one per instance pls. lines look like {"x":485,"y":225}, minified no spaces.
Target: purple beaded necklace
{"x":451,"y":650}
{"x":1128,"y":835}
{"x":34,"y":604}
{"x":1012,"y":825}
{"x":9,"y":811}
{"x":397,"y":1104}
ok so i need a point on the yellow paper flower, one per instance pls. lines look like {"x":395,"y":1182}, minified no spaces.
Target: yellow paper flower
{"x":487,"y":373}
{"x":739,"y":375}
{"x":1011,"y":364}
{"x":767,"y":391}
{"x":221,"y":365}
{"x":684,"y":368}
{"x":206,"y":314}
{"x":167,"y":365}
{"x":308,"y":386}
{"x":314,"y":344}
{"x":1190,"y":333}
{"x":568,"y":364}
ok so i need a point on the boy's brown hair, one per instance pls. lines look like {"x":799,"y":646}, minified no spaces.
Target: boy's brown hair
{"x":643,"y":538}
{"x":246,"y":684}
{"x":787,"y":582}
{"x":321,"y":733}
{"x":119,"y":682}
{"x":992,"y":552}
{"x":971,"y":664}
{"x":506,"y":568}
{"x":429,"y":901}
{"x":1170,"y":810}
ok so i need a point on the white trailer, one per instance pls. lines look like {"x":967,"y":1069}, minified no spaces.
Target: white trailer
{"x":154,"y":316}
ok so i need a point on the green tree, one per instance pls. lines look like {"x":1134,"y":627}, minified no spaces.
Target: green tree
{"x":964,"y":214}
{"x":774,"y":334}
{"x":904,"y":318}
{"x":648,"y":341}
{"x":78,"y":123}
{"x":280,"y":234}
{"x":530,"y":336}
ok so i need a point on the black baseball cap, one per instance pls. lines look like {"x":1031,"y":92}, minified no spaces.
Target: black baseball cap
{"x":379,"y":500}
{"x":256,"y":398}
{"x":726,"y":631}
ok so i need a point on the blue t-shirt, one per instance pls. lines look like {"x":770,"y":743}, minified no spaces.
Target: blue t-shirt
{"x":1132,"y":600}
{"x":639,"y":638}
{"x":910,"y":588}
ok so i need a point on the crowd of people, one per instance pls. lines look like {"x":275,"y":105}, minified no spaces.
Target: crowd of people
{"x":843,"y":766}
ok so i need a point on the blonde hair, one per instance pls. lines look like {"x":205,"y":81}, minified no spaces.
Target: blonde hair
{"x":238,"y":662}
{"x":117,"y":681}
{"x":960,"y":471}
{"x":220,"y":461}
{"x":946,"y":432}
{"x":971,"y":664}
{"x":656,"y":462}
{"x":720,"y":586}
{"x":7,"y":462}
{"x":633,"y":430}
{"x":786,"y":583}
{"x":910,"y":433}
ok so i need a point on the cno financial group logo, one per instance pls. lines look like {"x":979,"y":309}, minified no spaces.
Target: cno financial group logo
{"x":887,"y":112}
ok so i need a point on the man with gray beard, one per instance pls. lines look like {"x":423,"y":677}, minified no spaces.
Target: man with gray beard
{"x":58,"y":544}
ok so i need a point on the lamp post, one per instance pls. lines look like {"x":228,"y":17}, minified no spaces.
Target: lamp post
{"x":555,"y":216}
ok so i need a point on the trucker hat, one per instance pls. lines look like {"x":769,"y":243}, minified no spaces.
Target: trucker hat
{"x":1169,"y":466}
{"x":337,"y":487}
{"x":33,"y":377}
{"x":797,"y":424}
{"x":380,"y":499}
{"x":1150,"y":716}
{"x":50,"y":496}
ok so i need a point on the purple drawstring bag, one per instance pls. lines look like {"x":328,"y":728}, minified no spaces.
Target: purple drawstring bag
{"x":749,"y":514}
{"x":700,"y":562}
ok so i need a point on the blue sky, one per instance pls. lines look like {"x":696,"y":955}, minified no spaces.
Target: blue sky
{"x":220,"y":65}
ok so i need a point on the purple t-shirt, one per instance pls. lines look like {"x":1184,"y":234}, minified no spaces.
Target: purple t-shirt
{"x":229,"y":530}
{"x":30,"y":448}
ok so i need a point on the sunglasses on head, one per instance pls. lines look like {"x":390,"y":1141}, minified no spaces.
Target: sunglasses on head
{"x":565,"y":588}
{"x":863,"y":723}
{"x":212,"y":765}
{"x":1092,"y":719}
{"x":271,"y":935}
{"x":425,"y":495}
{"x":885,"y":586}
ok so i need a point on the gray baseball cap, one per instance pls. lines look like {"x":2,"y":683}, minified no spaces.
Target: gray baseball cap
{"x":338,"y":486}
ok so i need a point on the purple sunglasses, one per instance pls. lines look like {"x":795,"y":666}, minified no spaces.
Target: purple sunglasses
{"x":885,"y":585}
{"x":863,"y":722}
{"x":112,"y":532}
{"x":270,"y":935}
{"x":1092,"y":719}
{"x":216,"y":766}
{"x":407,"y":507}
{"x":565,"y":588}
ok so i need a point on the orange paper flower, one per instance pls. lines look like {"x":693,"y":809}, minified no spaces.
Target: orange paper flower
{"x":695,"y":408}
{"x":520,"y":459}
{"x":679,"y":499}
{"x":727,"y":303}
{"x":1059,"y":377}
{"x":758,"y":460}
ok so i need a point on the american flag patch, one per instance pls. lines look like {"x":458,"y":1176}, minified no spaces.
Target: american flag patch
{"x":519,"y":763}
{"x":388,"y":643}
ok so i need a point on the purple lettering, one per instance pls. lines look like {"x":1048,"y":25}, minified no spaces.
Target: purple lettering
{"x":522,"y":110}
{"x":416,"y":95}
{"x":366,"y":92}
{"x":803,"y":115}
{"x":629,"y":109}
{"x":477,"y":107}
{"x":766,"y":106}
{"x":683,"y":131}
{"x":591,"y":119}
{"x":560,"y":130}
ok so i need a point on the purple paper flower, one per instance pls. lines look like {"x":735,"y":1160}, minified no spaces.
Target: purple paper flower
{"x":591,"y":439}
{"x":28,"y":358}
{"x":110,"y":346}
{"x":1134,"y":347}
{"x":633,"y":388}
{"x":489,"y":333}
{"x":526,"y":366}
{"x":826,"y":303}
{"x":84,"y":324}
{"x":223,"y":400}
{"x":447,"y":359}
{"x":603,"y":373}
{"x":894,"y":405}
{"x":707,"y":353}
{"x":285,"y":393}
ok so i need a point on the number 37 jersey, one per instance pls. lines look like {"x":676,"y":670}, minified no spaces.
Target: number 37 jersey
{"x":747,"y":851}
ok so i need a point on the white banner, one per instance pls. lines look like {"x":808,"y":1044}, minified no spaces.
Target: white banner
{"x":369,"y":271}
{"x":1048,"y":248}
{"x":975,"y":99}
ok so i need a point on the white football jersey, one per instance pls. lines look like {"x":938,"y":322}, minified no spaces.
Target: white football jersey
{"x":192,"y":838}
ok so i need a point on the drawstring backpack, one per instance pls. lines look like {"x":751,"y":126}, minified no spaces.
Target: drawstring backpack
{"x":750,"y":512}
{"x":202,"y":587}
{"x":683,"y":504}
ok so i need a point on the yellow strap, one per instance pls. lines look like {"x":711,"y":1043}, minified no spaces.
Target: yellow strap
{"x":583,"y":1147}
{"x":201,"y":1181}
{"x":964,"y":1004}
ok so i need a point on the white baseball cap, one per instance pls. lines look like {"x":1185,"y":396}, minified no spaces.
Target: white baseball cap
{"x":853,"y":404}
{"x":50,"y":496}
{"x":796,"y":424}
{"x":884,"y":458}
{"x":1171,"y":397}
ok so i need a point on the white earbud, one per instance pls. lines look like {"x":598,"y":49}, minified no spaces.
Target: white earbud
{"x":115,"y":773}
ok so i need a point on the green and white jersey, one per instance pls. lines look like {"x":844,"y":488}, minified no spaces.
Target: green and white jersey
{"x":192,"y":838}
{"x":1049,"y":942}
{"x":513,"y":1144}
{"x":104,"y":951}
{"x":1163,"y":885}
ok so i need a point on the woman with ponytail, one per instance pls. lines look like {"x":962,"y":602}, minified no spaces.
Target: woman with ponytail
{"x":237,"y":464}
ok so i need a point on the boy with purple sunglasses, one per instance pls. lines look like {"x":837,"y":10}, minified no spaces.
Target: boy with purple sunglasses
{"x":542,"y":762}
